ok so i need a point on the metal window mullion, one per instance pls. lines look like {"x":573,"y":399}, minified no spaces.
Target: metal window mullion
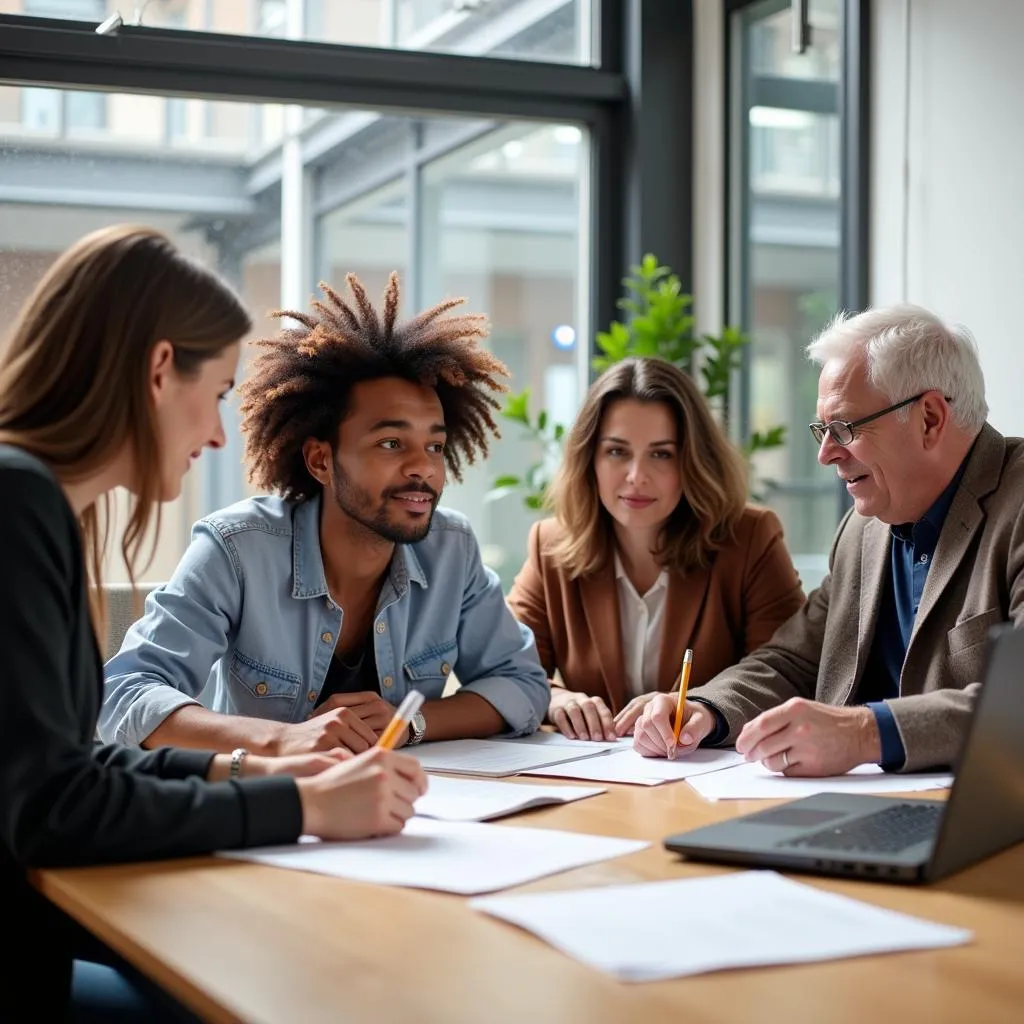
{"x":279,"y":70}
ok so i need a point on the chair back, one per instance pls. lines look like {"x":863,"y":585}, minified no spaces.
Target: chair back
{"x":124,"y":606}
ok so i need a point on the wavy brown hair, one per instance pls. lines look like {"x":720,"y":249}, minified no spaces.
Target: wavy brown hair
{"x":300,"y":384}
{"x":714,"y":475}
{"x":74,"y":375}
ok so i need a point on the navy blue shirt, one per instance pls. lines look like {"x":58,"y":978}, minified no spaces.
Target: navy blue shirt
{"x":913,"y":548}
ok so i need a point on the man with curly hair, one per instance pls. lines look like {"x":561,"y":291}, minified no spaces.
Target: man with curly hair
{"x":299,"y":621}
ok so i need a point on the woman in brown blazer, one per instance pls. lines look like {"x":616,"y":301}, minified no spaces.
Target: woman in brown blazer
{"x":652,"y":549}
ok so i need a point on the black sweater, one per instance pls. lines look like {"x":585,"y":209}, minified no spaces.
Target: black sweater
{"x":64,"y":798}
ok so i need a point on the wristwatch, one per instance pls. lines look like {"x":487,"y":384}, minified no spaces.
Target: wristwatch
{"x":417,"y":727}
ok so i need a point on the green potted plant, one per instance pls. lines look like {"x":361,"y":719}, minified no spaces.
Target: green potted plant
{"x":660,"y":323}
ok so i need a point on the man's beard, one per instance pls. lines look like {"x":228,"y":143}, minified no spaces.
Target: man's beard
{"x":357,"y":504}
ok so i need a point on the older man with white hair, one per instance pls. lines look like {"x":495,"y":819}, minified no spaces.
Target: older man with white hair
{"x":883,"y":663}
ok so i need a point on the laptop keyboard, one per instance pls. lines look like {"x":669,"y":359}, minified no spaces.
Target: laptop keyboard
{"x":891,"y":830}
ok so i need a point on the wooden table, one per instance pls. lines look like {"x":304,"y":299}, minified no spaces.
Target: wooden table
{"x":242,"y":942}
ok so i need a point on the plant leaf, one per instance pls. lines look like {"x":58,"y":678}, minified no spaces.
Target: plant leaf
{"x":517,"y":407}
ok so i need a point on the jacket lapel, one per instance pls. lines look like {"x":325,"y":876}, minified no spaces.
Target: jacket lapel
{"x":683,"y":606}
{"x":876,"y":547}
{"x":964,"y":519}
{"x":601,"y":610}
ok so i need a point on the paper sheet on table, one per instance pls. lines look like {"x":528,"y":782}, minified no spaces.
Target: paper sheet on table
{"x":671,"y":929}
{"x":495,"y":758}
{"x":543,"y":738}
{"x":753,"y":781}
{"x":452,"y":856}
{"x":629,"y":766}
{"x":480,"y":800}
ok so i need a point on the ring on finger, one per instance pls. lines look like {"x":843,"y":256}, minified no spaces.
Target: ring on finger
{"x":785,"y":760}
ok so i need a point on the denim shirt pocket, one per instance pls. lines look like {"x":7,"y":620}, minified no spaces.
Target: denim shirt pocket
{"x":428,"y":670}
{"x":262,"y":691}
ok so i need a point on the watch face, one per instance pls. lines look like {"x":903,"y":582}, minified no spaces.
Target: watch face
{"x":418,"y":725}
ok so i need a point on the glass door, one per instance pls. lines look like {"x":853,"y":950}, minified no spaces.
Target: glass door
{"x":785,"y":245}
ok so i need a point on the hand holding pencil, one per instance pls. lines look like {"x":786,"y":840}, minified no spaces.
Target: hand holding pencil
{"x":371,"y":794}
{"x":400,"y":720}
{"x":684,"y":682}
{"x":667,"y":718}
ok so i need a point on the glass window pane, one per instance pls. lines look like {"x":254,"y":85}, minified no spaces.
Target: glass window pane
{"x":770,"y":42}
{"x":546,"y":30}
{"x":79,"y":10}
{"x":457,"y":206}
{"x":40,"y":111}
{"x":502,"y":228}
{"x":84,"y":112}
{"x":785,"y":258}
{"x":369,"y":237}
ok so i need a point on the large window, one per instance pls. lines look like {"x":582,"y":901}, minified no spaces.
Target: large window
{"x":289,"y":141}
{"x":501,"y":226}
{"x":547,"y":30}
{"x":485,"y":209}
{"x":788,"y":244}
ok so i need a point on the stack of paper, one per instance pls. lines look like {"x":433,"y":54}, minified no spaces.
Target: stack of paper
{"x":478,"y":800}
{"x":672,"y":929}
{"x":630,"y":767}
{"x":459,"y":857}
{"x":752,"y":781}
{"x":497,"y":758}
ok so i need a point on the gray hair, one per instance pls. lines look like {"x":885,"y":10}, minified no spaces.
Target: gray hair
{"x":910,"y":350}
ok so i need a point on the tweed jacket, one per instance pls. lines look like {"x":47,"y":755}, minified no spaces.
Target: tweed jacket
{"x":976,"y":580}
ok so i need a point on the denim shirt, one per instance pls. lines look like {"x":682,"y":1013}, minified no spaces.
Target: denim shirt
{"x":246,"y":621}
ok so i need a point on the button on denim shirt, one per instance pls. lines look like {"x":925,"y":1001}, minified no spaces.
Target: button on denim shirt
{"x":246,"y":621}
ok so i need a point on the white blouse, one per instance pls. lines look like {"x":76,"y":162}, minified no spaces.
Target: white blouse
{"x":641,"y":620}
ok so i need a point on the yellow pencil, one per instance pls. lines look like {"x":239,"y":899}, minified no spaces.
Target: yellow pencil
{"x":402,"y":717}
{"x":681,"y":703}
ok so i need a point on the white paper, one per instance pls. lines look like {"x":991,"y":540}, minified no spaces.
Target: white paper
{"x":752,"y":781}
{"x":630,"y":767}
{"x":480,"y":800}
{"x":556,"y":739}
{"x":460,"y":857}
{"x":672,"y":929}
{"x":495,"y":757}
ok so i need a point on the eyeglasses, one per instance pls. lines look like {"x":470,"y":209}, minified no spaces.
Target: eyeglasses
{"x":842,"y":431}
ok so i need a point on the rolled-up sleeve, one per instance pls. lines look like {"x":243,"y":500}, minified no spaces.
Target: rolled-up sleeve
{"x":167,"y":656}
{"x":497,"y":655}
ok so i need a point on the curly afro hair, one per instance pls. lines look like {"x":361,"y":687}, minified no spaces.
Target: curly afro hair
{"x":300,"y":383}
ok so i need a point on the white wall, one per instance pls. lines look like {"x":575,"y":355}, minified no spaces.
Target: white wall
{"x":947,"y":207}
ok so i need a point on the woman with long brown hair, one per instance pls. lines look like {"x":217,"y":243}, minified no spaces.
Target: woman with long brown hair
{"x":652,"y":549}
{"x":112,"y":377}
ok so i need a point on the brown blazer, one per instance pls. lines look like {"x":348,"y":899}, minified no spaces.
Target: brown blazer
{"x":976,"y":580}
{"x":723,"y":611}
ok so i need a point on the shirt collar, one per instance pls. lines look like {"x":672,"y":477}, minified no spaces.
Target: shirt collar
{"x":620,"y":574}
{"x":308,"y":577}
{"x":406,"y":568}
{"x":936,"y":515}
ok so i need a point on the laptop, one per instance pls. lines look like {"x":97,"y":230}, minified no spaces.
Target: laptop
{"x":892,"y":840}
